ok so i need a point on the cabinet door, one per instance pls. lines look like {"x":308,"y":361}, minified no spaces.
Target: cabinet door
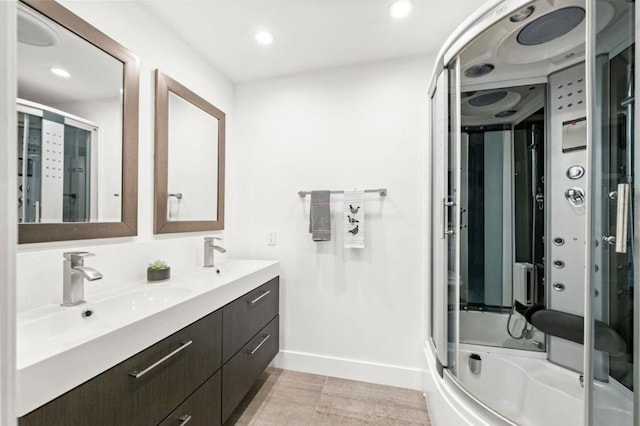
{"x":241,"y":372}
{"x":245,"y":316}
{"x":200,"y":409}
{"x":118,"y":398}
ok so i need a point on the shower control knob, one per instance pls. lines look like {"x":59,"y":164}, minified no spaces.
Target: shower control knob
{"x":575,"y":196}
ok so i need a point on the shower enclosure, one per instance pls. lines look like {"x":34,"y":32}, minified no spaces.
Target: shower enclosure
{"x":56,"y":165}
{"x":533,"y":315}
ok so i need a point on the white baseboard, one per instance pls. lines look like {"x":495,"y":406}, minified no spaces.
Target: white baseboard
{"x":383,"y":374}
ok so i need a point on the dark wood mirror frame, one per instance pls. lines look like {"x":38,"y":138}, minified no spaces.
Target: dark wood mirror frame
{"x":164,"y":85}
{"x":45,"y":232}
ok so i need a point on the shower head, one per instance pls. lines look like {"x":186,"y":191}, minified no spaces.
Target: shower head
{"x":551,"y":26}
{"x":487,"y":99}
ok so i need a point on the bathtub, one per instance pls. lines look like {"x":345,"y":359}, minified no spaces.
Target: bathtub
{"x":520,"y":388}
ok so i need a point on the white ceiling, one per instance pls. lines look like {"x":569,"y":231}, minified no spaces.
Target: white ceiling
{"x":309,"y":34}
{"x":85,"y":62}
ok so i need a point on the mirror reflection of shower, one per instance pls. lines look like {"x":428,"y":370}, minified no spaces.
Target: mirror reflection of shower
{"x":56,"y":166}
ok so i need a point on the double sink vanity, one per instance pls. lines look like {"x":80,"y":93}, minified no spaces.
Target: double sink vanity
{"x":185,"y":350}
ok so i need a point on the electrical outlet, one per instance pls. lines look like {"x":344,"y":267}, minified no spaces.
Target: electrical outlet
{"x":271,"y":238}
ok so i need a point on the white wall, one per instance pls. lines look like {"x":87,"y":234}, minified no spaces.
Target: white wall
{"x":8,"y":214}
{"x":39,"y":266}
{"x":345,"y":312}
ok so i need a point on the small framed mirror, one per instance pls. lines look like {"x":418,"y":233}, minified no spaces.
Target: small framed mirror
{"x":77,"y":128}
{"x":189,"y":160}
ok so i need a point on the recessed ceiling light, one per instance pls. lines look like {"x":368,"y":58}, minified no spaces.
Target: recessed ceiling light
{"x":60,"y":72}
{"x":34,"y":31}
{"x":264,"y":37}
{"x":401,"y":8}
{"x":522,"y":14}
{"x":479,"y":70}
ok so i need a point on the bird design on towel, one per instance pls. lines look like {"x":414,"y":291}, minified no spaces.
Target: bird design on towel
{"x":352,"y":220}
{"x":354,"y":210}
{"x":354,"y":231}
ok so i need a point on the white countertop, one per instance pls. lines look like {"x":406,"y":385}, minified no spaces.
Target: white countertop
{"x":58,"y":349}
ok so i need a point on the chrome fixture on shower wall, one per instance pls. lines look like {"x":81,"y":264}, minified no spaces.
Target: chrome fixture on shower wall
{"x":575,"y":196}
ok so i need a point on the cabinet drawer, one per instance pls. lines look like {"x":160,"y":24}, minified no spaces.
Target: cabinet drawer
{"x":245,"y":316}
{"x":243,"y":369}
{"x":200,"y":409}
{"x":168,"y":372}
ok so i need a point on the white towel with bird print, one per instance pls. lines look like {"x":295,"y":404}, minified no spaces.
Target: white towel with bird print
{"x":354,"y":219}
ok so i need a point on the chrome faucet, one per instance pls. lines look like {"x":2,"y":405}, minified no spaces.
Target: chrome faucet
{"x":209,"y":247}
{"x":74,"y":275}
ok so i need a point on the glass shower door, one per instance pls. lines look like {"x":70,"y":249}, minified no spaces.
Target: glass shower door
{"x":445,"y":263}
{"x":613,"y":353}
{"x":29,"y":167}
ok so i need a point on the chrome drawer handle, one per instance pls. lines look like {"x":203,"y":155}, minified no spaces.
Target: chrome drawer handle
{"x":184,"y":419}
{"x":137,"y":374}
{"x":259,"y":297}
{"x":266,"y":337}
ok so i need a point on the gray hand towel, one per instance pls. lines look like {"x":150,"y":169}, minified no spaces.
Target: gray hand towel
{"x":320,"y":216}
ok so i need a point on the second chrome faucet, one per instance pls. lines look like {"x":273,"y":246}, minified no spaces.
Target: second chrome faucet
{"x":209,"y":247}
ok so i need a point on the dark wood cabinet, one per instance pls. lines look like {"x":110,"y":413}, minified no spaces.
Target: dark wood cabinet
{"x":244,"y":368}
{"x":184,"y":377}
{"x":200,"y":409}
{"x":245,"y":316}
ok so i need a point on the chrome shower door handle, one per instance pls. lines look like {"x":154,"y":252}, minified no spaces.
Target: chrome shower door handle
{"x":575,"y":196}
{"x":445,"y":217}
{"x":622,"y":217}
{"x":38,"y":209}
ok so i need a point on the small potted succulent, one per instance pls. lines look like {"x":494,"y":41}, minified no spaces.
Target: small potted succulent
{"x":158,"y":271}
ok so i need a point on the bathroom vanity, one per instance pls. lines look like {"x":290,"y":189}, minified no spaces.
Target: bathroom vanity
{"x":191,"y":354}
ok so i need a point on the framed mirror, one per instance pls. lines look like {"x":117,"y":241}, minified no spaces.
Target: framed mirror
{"x":77,"y":128}
{"x":189,"y":160}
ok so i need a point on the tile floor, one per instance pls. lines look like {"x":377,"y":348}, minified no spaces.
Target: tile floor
{"x":291,"y":398}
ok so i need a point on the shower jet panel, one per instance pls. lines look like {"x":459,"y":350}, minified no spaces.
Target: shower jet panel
{"x":566,"y":220}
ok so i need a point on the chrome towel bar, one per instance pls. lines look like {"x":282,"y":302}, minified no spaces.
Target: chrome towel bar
{"x":380,"y":191}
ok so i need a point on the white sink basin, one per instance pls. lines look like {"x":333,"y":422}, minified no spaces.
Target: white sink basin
{"x":139,"y":302}
{"x":56,"y":325}
{"x":62,"y":326}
